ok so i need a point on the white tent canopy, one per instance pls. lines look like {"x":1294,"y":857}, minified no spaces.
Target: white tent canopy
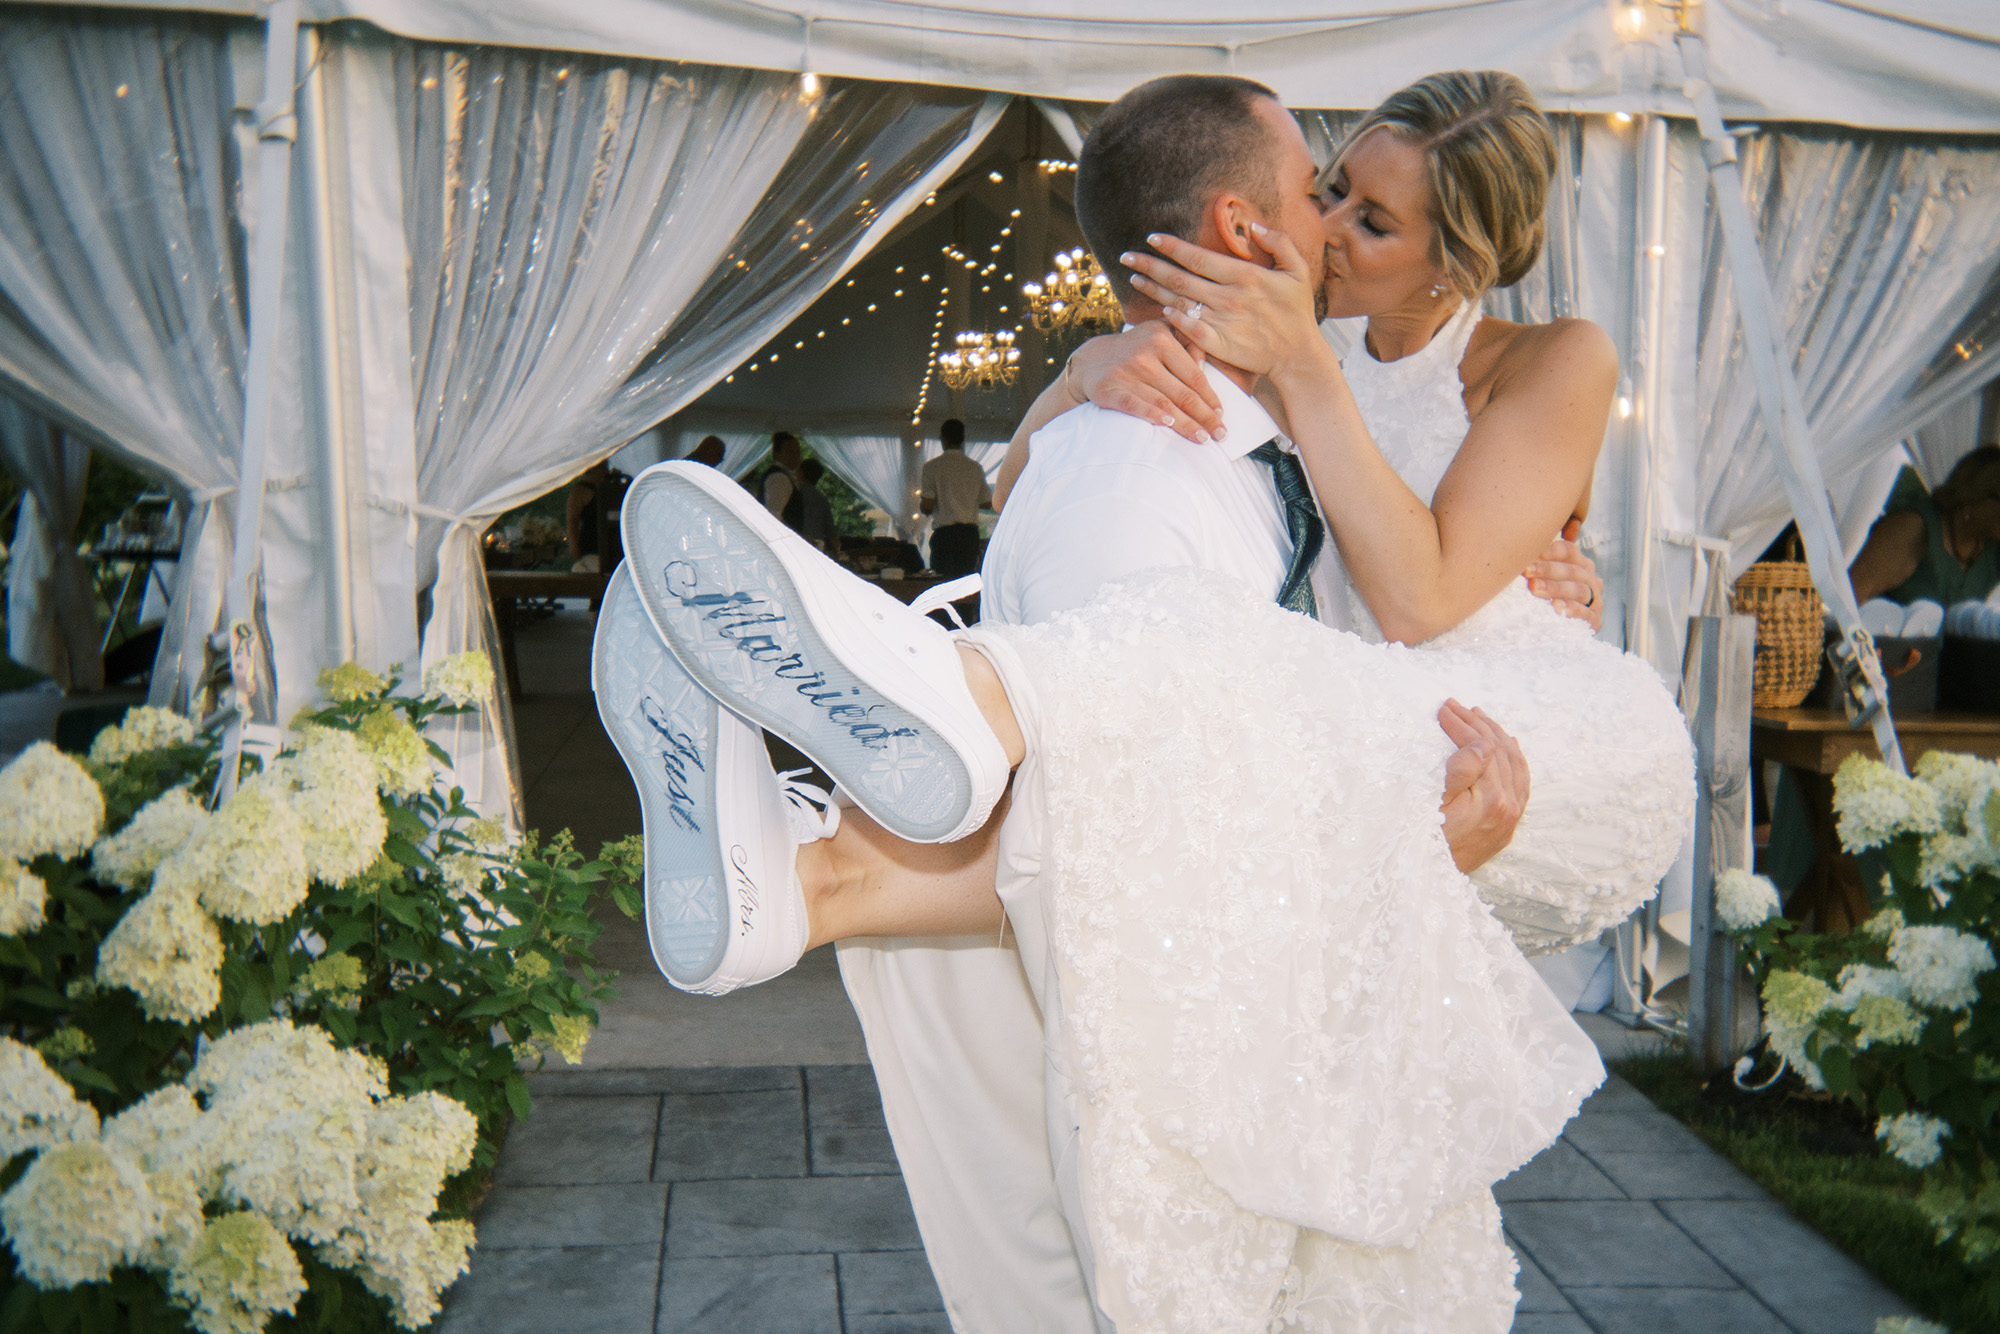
{"x":451,"y":154}
{"x":1884,"y":64}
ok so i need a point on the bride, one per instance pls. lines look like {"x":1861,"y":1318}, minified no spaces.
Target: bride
{"x":1303,"y":1045}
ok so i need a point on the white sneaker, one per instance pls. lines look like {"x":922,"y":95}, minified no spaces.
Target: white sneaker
{"x":871,"y":690}
{"x":724,"y":907}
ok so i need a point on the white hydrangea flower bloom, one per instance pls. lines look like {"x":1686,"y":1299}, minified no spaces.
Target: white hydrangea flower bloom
{"x":336,"y":798}
{"x":463,"y":872}
{"x":248,"y":863}
{"x":167,"y":950}
{"x":162,"y":827}
{"x":1793,"y":1003}
{"x":490,"y":835}
{"x":1941,"y":964}
{"x":143,"y":729}
{"x":402,"y":760}
{"x":48,"y":804}
{"x":23,"y":898}
{"x":463,"y":678}
{"x":414,"y":1144}
{"x":291,"y":1116}
{"x":38,"y":1109}
{"x":1744,"y":900}
{"x":1912,"y":1138}
{"x":1885,"y":1019}
{"x":1883,"y":924}
{"x":1874,"y":804}
{"x":1908,"y":1324}
{"x":1859,"y":980}
{"x":1962,"y":784}
{"x":77,"y":1213}
{"x":167,"y":1135}
{"x":237,"y":1275}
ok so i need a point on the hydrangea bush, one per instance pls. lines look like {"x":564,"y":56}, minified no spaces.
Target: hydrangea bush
{"x":245,"y":1050}
{"x":1902,"y":1016}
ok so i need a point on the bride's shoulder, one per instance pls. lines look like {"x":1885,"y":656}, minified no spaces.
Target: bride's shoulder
{"x":1505,"y":353}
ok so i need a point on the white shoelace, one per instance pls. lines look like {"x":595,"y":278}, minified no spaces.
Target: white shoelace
{"x":812,"y":810}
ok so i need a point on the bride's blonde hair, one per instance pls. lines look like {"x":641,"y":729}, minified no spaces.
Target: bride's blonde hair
{"x":1489,"y":156}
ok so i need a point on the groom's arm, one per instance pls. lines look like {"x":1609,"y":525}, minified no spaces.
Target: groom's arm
{"x":1485,"y":786}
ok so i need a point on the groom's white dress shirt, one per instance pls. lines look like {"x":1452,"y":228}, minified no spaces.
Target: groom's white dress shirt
{"x":982,"y":1125}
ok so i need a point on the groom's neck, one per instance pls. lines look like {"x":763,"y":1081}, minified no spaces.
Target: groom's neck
{"x":1139,"y":309}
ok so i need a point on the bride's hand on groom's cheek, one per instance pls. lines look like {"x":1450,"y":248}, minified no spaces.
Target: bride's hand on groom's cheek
{"x":1240,"y":311}
{"x":1149,"y":373}
{"x":1485,"y":786}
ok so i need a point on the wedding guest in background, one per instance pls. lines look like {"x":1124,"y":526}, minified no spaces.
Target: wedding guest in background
{"x":710,"y":451}
{"x":1943,"y":545}
{"x":955,"y":490}
{"x":817,"y":525}
{"x":585,"y":497}
{"x":783,"y":490}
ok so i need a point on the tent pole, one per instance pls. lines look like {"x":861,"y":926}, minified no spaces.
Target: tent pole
{"x":252,"y":687}
{"x":1866,"y":692}
{"x":327,"y":334}
{"x":1651,"y":326}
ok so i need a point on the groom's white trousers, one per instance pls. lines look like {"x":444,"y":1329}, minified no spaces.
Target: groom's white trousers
{"x":955,"y":1032}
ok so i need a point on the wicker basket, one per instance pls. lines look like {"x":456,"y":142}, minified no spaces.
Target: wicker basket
{"x":1791,"y":638}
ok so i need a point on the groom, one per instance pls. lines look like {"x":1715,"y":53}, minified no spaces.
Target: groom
{"x":982,"y":1120}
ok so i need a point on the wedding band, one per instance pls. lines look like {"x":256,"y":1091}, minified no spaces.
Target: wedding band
{"x":1592,"y":601}
{"x":1194,"y":311}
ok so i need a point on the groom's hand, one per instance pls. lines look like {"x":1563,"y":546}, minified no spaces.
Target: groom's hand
{"x":1485,"y":786}
{"x":1568,"y":579}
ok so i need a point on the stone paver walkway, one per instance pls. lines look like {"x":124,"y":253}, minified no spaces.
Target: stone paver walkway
{"x":757,"y":1199}
{"x":717,"y":1200}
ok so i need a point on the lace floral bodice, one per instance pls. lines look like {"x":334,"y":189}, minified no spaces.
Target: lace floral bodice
{"x":1416,"y":406}
{"x":1415,"y":409}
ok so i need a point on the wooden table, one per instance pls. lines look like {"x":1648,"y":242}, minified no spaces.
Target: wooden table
{"x":1814,"y":743}
{"x":509,"y":586}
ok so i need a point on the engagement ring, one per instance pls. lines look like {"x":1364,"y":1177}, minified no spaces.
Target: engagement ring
{"x":1194,"y":311}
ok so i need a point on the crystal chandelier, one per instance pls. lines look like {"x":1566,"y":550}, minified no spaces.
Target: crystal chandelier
{"x":981,"y":359}
{"x":1076,"y":295}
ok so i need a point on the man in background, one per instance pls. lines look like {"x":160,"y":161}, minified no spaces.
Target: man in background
{"x":955,"y":490}
{"x":816,"y":525}
{"x":710,"y":451}
{"x":784,"y":487}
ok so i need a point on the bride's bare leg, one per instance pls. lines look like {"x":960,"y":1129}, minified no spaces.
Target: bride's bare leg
{"x":864,"y":881}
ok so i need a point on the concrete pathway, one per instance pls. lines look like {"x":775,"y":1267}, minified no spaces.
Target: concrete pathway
{"x":721,"y":1166}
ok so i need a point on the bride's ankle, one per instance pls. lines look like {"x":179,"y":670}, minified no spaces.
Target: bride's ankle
{"x":819,"y":885}
{"x":991,"y":697}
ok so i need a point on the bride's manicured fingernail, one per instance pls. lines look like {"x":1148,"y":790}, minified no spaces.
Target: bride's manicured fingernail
{"x":1127,"y":258}
{"x":1259,"y":228}
{"x":1153,"y":238}
{"x":1201,"y":437}
{"x":1222,"y":433}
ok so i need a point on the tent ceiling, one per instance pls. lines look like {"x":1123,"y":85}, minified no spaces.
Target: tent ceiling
{"x":1888,"y":64}
{"x":864,"y":377}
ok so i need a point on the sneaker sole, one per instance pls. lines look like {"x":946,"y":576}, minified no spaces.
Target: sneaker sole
{"x":733,"y":616}
{"x":665,"y":728}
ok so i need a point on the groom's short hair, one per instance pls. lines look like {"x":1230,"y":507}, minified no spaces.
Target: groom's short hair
{"x":1160,"y":153}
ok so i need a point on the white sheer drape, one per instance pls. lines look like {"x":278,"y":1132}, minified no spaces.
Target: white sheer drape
{"x":51,"y":611}
{"x":119,"y":305}
{"x":1949,"y":437}
{"x":1880,"y":250}
{"x":594,"y":243}
{"x":741,"y":450}
{"x":884,"y":470}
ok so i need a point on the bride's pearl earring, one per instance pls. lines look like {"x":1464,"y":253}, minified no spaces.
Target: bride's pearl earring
{"x":1437,"y":290}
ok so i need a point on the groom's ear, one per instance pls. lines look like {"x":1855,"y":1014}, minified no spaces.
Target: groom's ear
{"x":1229,"y":218}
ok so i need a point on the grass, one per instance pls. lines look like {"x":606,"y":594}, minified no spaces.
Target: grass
{"x":1819,"y":1158}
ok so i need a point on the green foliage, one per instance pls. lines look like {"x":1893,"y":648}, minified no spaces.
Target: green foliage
{"x":458,"y":960}
{"x":1907,"y":1029}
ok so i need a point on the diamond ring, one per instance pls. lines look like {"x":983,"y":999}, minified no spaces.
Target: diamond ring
{"x":1194,"y":311}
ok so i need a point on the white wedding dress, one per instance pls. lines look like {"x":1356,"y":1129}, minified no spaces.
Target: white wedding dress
{"x":1303,"y":1045}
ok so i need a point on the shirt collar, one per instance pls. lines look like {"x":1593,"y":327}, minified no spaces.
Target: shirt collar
{"x":1245,"y":419}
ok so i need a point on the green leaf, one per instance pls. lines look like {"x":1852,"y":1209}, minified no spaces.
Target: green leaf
{"x":517,"y":1094}
{"x":489,"y":1005}
{"x":402,"y":851}
{"x":89,"y":1078}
